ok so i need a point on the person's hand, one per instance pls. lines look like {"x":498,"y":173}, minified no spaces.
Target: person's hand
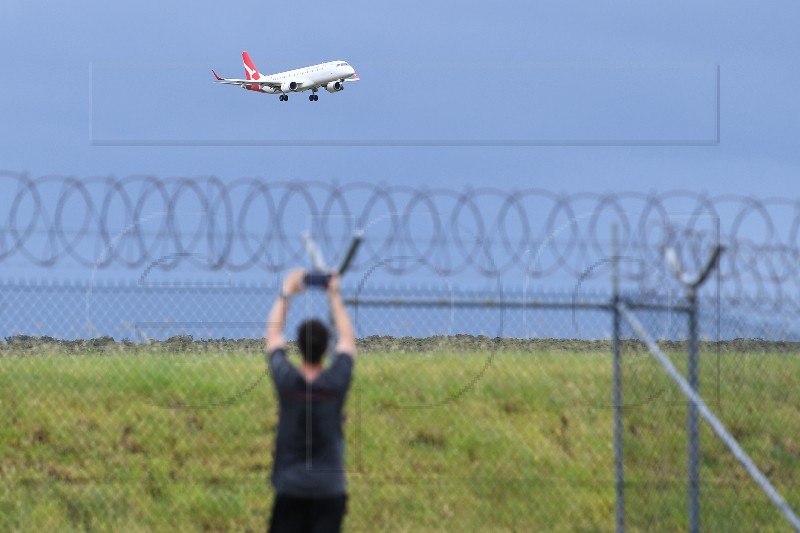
{"x":293,"y":282}
{"x":333,"y":284}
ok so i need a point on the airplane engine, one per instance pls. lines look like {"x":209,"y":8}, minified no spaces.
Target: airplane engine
{"x":289,"y":86}
{"x":334,"y":86}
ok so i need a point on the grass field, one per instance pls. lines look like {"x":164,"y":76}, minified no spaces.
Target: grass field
{"x":482,"y":440}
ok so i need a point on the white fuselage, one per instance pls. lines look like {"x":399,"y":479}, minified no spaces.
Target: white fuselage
{"x":309,"y":78}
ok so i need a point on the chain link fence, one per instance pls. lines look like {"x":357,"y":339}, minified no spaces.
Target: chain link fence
{"x":145,"y":405}
{"x":470,"y":411}
{"x":747,"y":386}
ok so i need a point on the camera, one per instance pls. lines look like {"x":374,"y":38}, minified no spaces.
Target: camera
{"x":317,"y":279}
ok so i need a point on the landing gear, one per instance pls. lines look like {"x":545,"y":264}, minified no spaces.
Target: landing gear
{"x":284,"y":98}
{"x":313,"y":97}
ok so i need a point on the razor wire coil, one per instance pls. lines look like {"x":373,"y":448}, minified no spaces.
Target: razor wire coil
{"x":252,"y":223}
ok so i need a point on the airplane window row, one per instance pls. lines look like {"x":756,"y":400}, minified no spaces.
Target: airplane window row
{"x":311,"y":70}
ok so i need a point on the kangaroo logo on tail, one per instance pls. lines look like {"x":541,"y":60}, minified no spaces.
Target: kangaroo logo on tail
{"x":249,"y":67}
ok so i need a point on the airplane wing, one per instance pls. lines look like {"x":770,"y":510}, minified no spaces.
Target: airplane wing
{"x":242,"y":83}
{"x":354,"y":77}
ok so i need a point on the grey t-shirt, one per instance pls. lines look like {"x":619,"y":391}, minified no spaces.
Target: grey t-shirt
{"x":309,"y":448}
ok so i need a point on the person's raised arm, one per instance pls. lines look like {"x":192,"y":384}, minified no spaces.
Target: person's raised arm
{"x":341,"y":319}
{"x":292,"y":284}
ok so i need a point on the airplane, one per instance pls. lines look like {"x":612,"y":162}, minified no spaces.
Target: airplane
{"x":331,"y":75}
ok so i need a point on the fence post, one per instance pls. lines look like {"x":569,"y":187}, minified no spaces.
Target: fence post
{"x":619,"y":474}
{"x":691,"y":419}
{"x":692,"y":426}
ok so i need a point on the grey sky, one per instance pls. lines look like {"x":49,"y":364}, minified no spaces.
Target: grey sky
{"x":79,"y":74}
{"x":430,"y":71}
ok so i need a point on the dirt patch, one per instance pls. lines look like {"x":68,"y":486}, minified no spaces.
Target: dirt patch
{"x":40,"y":436}
{"x":430,"y":439}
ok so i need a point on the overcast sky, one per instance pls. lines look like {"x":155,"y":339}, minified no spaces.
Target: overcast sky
{"x":577,"y":75}
{"x":561,"y":95}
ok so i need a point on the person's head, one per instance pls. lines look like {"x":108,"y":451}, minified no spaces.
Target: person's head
{"x":312,"y":339}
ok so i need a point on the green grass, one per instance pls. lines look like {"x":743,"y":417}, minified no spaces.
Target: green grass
{"x":436,"y":441}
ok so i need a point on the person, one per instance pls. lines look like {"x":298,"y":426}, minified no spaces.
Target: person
{"x":308,"y":469}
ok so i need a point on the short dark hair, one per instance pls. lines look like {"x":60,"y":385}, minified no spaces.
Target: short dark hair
{"x":312,"y":339}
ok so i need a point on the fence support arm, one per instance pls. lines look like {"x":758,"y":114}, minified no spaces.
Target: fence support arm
{"x":717,"y":426}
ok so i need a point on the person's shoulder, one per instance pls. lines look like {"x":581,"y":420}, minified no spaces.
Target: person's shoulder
{"x":279,"y":351}
{"x":338,"y":375}
{"x":283,"y":372}
{"x":342,"y":363}
{"x":345,"y":356}
{"x":277,"y":355}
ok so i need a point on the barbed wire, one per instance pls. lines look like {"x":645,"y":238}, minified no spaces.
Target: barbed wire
{"x":137,"y":222}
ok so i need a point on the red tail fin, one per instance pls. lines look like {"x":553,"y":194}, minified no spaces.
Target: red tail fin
{"x":249,"y":67}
